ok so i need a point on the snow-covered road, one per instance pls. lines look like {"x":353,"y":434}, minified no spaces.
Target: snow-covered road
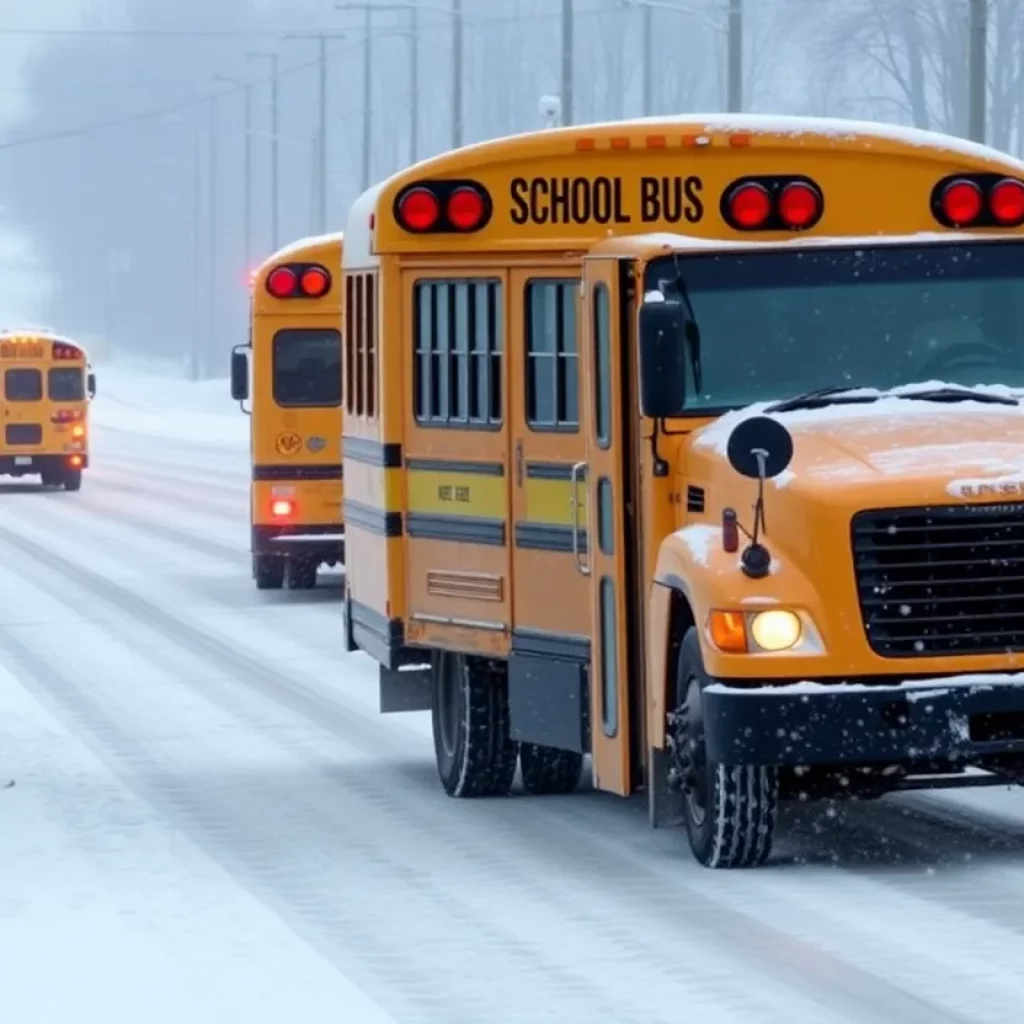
{"x":203,"y":818}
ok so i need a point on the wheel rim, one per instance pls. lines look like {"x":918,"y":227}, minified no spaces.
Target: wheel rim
{"x":449,"y":703}
{"x":692,"y":753}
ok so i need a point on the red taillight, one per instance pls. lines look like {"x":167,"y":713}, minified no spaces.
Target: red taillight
{"x":66,"y":416}
{"x":750,"y":205}
{"x":282,"y":507}
{"x":62,"y":351}
{"x":419,"y":210}
{"x":282,"y":282}
{"x":466,"y":208}
{"x":961,"y":202}
{"x":315,"y":283}
{"x":799,"y":204}
{"x":1006,"y":202}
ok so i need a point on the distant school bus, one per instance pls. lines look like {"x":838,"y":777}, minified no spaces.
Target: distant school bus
{"x":47,"y":385}
{"x":295,"y":439}
{"x":585,"y":356}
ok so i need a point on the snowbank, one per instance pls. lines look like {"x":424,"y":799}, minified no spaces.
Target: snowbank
{"x":136,"y":402}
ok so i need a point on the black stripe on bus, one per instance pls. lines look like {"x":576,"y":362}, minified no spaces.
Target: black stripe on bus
{"x":372,"y":452}
{"x":465,"y":529}
{"x":456,"y":466}
{"x":297,"y":471}
{"x":372,"y":519}
{"x":547,"y":537}
{"x":553,"y":471}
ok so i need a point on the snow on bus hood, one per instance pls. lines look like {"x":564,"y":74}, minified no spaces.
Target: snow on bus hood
{"x":969,"y":443}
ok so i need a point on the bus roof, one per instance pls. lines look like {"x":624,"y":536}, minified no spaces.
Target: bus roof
{"x":299,"y":246}
{"x":44,"y":334}
{"x":371,"y":226}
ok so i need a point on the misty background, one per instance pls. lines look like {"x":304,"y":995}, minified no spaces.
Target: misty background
{"x":124,"y":138}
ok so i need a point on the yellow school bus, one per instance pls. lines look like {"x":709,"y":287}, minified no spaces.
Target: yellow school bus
{"x":696,"y":446}
{"x":47,"y":385}
{"x":295,"y":436}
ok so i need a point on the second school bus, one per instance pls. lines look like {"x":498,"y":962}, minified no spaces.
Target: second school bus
{"x":295,"y":440}
{"x":693,"y":445}
{"x":47,"y":386}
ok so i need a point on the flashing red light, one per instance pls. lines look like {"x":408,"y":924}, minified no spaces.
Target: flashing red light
{"x":799,"y":204}
{"x":1006,"y":202}
{"x":282,"y":507}
{"x":281,"y":282}
{"x":962,"y":202}
{"x":465,"y":208}
{"x":750,"y":205}
{"x":62,"y":351}
{"x":66,"y":416}
{"x":315,"y":283}
{"x":419,"y":209}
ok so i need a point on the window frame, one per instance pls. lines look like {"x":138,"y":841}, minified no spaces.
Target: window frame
{"x":560,"y":356}
{"x":25,"y":369}
{"x":65,"y":369}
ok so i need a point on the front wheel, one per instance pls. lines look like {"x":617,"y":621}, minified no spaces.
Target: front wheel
{"x":470,"y":718}
{"x":729,"y":810}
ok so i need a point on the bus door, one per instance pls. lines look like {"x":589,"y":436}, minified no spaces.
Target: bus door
{"x":616,"y":666}
{"x":551,"y":614}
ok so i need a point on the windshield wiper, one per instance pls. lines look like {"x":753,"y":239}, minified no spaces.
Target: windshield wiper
{"x":834,"y":394}
{"x":953,"y":394}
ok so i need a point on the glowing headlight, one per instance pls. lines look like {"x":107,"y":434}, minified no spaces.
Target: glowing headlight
{"x":776,"y":630}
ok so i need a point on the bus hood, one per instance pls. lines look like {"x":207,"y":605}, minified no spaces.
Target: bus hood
{"x":914,"y":451}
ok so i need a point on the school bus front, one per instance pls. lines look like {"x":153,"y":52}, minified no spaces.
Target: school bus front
{"x":869,"y":639}
{"x":47,"y":386}
{"x":296,"y":418}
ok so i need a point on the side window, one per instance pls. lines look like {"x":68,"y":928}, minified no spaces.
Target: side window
{"x":552,"y":356}
{"x":307,"y":367}
{"x":23,"y":385}
{"x":457,"y":352}
{"x":602,"y":367}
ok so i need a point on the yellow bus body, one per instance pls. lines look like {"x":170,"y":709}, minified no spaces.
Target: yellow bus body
{"x":47,"y":386}
{"x":476,"y":549}
{"x":296,"y":417}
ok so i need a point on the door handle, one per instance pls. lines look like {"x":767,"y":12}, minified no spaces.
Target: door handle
{"x":582,"y":567}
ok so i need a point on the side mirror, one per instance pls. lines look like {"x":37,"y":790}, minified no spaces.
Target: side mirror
{"x":239,"y":376}
{"x":663,"y":359}
{"x":90,"y":385}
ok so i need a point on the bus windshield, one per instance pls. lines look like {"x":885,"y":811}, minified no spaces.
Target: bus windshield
{"x":775,"y":324}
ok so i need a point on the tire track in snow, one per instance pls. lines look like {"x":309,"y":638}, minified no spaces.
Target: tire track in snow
{"x":853,"y":992}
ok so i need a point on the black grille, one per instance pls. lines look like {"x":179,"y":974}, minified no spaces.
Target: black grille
{"x":694,"y":499}
{"x":23,"y":433}
{"x":942,"y":580}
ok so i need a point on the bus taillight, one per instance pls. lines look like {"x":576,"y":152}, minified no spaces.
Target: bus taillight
{"x":979,"y":201}
{"x":63,"y":351}
{"x":282,"y":508}
{"x":440,"y":207}
{"x":299,"y":281}
{"x":962,"y":202}
{"x":315,"y":282}
{"x":1006,"y":201}
{"x":281,"y":282}
{"x":775,"y":203}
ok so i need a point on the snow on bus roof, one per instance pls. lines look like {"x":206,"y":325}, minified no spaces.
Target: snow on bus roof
{"x":299,"y":245}
{"x":43,"y":332}
{"x":357,"y":244}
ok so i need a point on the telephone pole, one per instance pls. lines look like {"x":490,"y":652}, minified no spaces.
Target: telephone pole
{"x":567,"y":62}
{"x":247,"y":218}
{"x":414,"y":83}
{"x":457,"y":56}
{"x":648,"y":58}
{"x":977,"y":60}
{"x":734,"y":99}
{"x":275,"y":192}
{"x":212,"y":239}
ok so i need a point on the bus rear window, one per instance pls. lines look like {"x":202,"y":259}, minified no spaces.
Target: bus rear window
{"x":307,"y":367}
{"x":66,"y":384}
{"x":23,"y":385}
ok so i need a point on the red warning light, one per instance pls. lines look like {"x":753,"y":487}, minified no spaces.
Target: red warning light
{"x":466,"y":208}
{"x":419,"y":210}
{"x":282,"y":282}
{"x":962,"y":202}
{"x":1006,"y":202}
{"x":750,"y":205}
{"x":799,"y":205}
{"x":315,"y":283}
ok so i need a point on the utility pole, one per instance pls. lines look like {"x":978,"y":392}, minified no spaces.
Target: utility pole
{"x":414,"y":83}
{"x":648,"y":15}
{"x":457,"y":52}
{"x":275,"y":221}
{"x":734,"y":99}
{"x":321,"y":195}
{"x":211,"y":282}
{"x":367,"y":94}
{"x":567,"y":61}
{"x":197,"y":249}
{"x":977,"y":59}
{"x":247,"y":219}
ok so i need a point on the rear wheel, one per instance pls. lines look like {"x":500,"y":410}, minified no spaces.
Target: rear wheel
{"x":547,"y":770}
{"x":72,"y":479}
{"x":268,"y":571}
{"x":51,"y":477}
{"x":729,"y":809}
{"x":469,"y":713}
{"x":301,"y":573}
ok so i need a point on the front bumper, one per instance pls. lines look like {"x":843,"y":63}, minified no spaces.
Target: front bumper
{"x":960,"y":719}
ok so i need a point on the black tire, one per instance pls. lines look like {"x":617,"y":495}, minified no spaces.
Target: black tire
{"x":729,"y":810}
{"x":268,"y":571}
{"x":469,"y":713}
{"x":51,"y":478}
{"x":547,"y":770}
{"x":301,"y":573}
{"x":72,"y":479}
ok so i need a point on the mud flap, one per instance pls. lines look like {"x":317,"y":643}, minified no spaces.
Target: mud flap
{"x":405,"y":689}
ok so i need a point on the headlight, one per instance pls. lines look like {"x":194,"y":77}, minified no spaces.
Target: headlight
{"x":776,"y":630}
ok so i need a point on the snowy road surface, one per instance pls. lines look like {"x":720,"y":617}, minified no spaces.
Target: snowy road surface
{"x":203,"y":818}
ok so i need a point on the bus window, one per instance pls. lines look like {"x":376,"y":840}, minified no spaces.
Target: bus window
{"x":307,"y":367}
{"x":65,"y":384}
{"x":552,"y":384}
{"x":23,"y":385}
